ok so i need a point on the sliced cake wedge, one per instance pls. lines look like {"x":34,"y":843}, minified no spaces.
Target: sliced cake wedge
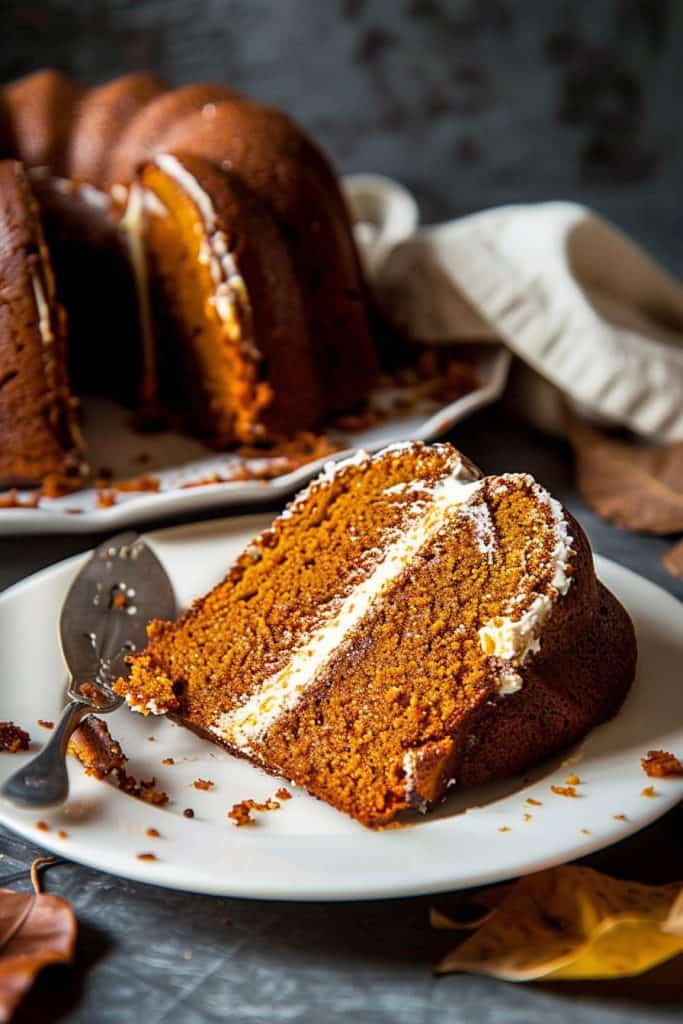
{"x":407,"y":624}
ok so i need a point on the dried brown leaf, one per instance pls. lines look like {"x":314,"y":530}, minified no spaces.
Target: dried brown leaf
{"x":673,"y":560}
{"x":633,"y":485}
{"x":44,"y":933}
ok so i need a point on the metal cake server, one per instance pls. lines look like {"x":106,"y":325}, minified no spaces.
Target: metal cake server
{"x":104,"y":617}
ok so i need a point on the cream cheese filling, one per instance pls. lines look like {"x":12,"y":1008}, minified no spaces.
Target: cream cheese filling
{"x":230,"y":299}
{"x":280,"y":693}
{"x":513,"y":638}
{"x":507,"y":640}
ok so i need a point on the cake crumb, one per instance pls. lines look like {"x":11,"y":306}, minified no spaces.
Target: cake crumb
{"x":145,"y":789}
{"x":564,"y":791}
{"x":649,"y":791}
{"x":533,"y":803}
{"x":660,"y":763}
{"x":505,"y":828}
{"x":528,"y":817}
{"x":102,"y":756}
{"x":147,"y":856}
{"x":93,"y":745}
{"x":204,"y":784}
{"x":620,"y":817}
{"x":283,"y":794}
{"x":94,"y":694}
{"x":573,"y":780}
{"x":168,"y":760}
{"x":42,"y":826}
{"x":188,"y":812}
{"x":240,"y":813}
{"x":585,"y":832}
{"x":151,"y":739}
{"x":153,"y":833}
{"x":12,"y":500}
{"x":141,"y":483}
{"x":105,"y":499}
{"x":45,"y":724}
{"x":62,"y":834}
{"x":12,"y":738}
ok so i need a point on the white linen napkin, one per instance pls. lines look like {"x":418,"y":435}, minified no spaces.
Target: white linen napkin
{"x":595,"y":321}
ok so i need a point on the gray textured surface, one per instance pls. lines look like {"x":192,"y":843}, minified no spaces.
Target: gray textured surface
{"x":459,"y":100}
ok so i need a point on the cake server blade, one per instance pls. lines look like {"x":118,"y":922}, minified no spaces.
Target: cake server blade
{"x":105,"y":614}
{"x":104,"y":618}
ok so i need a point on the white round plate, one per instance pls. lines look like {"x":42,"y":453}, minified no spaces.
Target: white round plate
{"x":178,"y":461}
{"x":306,"y":850}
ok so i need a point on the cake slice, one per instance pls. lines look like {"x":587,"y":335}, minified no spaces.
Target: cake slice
{"x":218,"y":290}
{"x":38,"y":421}
{"x":406,"y":624}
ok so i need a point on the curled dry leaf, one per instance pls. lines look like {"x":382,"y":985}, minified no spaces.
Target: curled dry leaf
{"x":673,"y":560}
{"x":635,"y":486}
{"x":472,"y":909}
{"x":36,"y":929}
{"x":572,"y":922}
{"x":674,"y":922}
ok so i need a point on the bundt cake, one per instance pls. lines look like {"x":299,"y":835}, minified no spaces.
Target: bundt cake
{"x":405,"y":625}
{"x":203,"y":252}
{"x":39,"y":434}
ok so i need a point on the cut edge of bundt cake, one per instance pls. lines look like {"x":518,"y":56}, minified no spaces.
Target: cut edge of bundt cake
{"x":38,"y":414}
{"x":404,"y":625}
{"x":217,"y":279}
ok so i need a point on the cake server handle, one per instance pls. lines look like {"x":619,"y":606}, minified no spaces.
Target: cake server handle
{"x":43,"y":782}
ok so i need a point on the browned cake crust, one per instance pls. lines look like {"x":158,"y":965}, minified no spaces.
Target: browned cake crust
{"x":101,"y":119}
{"x":38,"y":428}
{"x":41,"y":108}
{"x":569,"y":687}
{"x":476,"y":639}
{"x":145,"y":135}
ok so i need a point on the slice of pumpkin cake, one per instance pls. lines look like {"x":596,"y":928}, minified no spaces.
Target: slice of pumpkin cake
{"x":406,"y":624}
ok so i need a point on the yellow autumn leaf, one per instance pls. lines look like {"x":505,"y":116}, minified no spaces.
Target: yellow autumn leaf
{"x":569,"y":923}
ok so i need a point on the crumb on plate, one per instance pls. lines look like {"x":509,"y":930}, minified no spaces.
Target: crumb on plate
{"x":660,"y":763}
{"x":204,"y":784}
{"x":12,"y":738}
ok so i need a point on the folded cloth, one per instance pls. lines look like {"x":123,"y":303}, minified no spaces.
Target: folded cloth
{"x":596,"y":322}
